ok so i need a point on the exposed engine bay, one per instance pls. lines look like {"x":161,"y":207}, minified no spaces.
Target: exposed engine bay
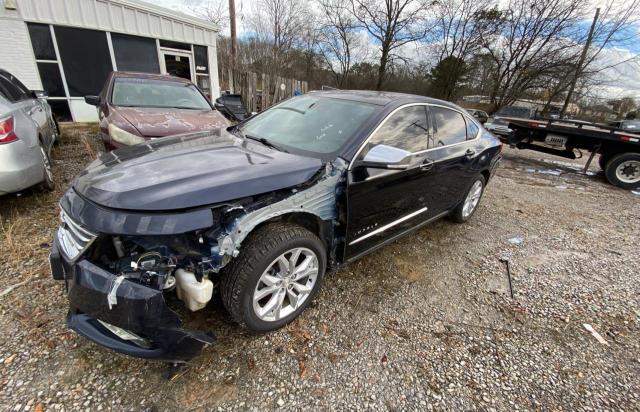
{"x":180,"y":263}
{"x":152,"y":256}
{"x":188,"y":263}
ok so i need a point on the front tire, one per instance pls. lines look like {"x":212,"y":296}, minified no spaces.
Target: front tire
{"x":623,"y":170}
{"x":468,"y":206}
{"x":276,"y":276}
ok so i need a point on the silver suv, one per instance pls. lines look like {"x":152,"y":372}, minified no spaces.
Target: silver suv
{"x":27,"y":134}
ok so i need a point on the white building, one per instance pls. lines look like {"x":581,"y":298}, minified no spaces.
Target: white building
{"x":68,"y":47}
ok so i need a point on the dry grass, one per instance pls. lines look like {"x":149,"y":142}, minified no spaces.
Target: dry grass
{"x":28,"y":219}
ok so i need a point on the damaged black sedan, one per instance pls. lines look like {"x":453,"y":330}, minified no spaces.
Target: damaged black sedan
{"x":257,"y":212}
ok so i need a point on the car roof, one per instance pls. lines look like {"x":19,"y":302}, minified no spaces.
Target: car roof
{"x":380,"y":98}
{"x":150,"y":76}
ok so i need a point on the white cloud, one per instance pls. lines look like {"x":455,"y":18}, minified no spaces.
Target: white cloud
{"x":622,"y":77}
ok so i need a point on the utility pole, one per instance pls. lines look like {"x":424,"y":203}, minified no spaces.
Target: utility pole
{"x":234,"y":43}
{"x":579,"y":68}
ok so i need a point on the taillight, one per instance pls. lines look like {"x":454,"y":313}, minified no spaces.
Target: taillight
{"x":7,"y":134}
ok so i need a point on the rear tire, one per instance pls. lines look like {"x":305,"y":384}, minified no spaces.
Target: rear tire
{"x":469,"y":204}
{"x":623,"y":170}
{"x":47,"y":184}
{"x":250,"y":281}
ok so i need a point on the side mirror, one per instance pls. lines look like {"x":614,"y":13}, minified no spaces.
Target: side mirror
{"x":92,"y":100}
{"x":385,"y":157}
{"x":39,"y":94}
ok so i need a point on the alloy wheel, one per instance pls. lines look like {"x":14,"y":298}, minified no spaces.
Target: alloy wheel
{"x":286,"y":284}
{"x":473,"y":197}
{"x":46,"y":163}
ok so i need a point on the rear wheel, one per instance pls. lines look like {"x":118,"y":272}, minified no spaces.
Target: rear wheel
{"x":623,"y":170}
{"x":48,"y":183}
{"x":468,"y":206}
{"x":277,"y":274}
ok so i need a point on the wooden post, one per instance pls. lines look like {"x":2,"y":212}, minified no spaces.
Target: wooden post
{"x":579,"y":67}
{"x":234,"y":43}
{"x":254,"y":86}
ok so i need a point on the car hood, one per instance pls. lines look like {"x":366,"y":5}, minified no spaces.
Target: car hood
{"x":190,"y":170}
{"x":161,"y":122}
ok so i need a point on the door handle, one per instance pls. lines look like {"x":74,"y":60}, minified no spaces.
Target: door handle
{"x":427,"y":164}
{"x":470,"y":153}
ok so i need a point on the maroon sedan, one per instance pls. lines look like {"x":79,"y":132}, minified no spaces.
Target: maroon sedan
{"x":134,"y":107}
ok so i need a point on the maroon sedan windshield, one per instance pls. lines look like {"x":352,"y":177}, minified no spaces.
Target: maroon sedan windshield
{"x":157,"y":93}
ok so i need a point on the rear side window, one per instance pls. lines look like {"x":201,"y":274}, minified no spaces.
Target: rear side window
{"x":449,"y":125}
{"x":10,"y":91}
{"x":472,"y":129}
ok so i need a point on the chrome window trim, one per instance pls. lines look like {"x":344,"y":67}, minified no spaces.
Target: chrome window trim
{"x":465,"y":116}
{"x":388,"y":226}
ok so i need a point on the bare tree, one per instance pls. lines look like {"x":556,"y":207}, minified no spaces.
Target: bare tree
{"x":215,"y":11}
{"x":338,"y":37}
{"x":278,"y":23}
{"x":392,"y":23}
{"x":461,"y":26}
{"x":613,"y":25}
{"x":533,"y":40}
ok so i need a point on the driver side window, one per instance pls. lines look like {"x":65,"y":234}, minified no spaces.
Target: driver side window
{"x":406,"y":129}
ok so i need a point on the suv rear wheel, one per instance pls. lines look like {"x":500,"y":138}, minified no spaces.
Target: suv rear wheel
{"x":277,"y":274}
{"x":623,"y":170}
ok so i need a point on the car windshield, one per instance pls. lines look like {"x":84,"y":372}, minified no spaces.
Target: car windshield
{"x":157,"y":93}
{"x":513,"y":111}
{"x":311,"y":124}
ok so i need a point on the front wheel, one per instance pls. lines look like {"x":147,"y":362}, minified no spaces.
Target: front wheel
{"x":623,"y":170}
{"x":468,"y":206}
{"x":277,"y":274}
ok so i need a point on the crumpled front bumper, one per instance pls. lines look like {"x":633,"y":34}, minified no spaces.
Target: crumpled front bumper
{"x":139,"y":309}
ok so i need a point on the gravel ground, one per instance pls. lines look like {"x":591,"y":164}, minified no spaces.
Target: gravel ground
{"x":425,"y":323}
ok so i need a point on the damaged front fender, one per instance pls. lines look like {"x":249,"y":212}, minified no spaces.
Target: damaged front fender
{"x":319,"y":200}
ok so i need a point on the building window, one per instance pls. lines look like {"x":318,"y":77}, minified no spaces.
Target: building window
{"x":51,"y":79}
{"x":60,"y":109}
{"x":41,"y":41}
{"x":201,"y":58}
{"x":134,"y":53}
{"x":85,"y":57}
{"x":175,"y":45}
{"x":49,"y":70}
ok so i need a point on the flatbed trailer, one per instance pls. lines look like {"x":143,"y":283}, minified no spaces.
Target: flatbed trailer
{"x":619,"y":150}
